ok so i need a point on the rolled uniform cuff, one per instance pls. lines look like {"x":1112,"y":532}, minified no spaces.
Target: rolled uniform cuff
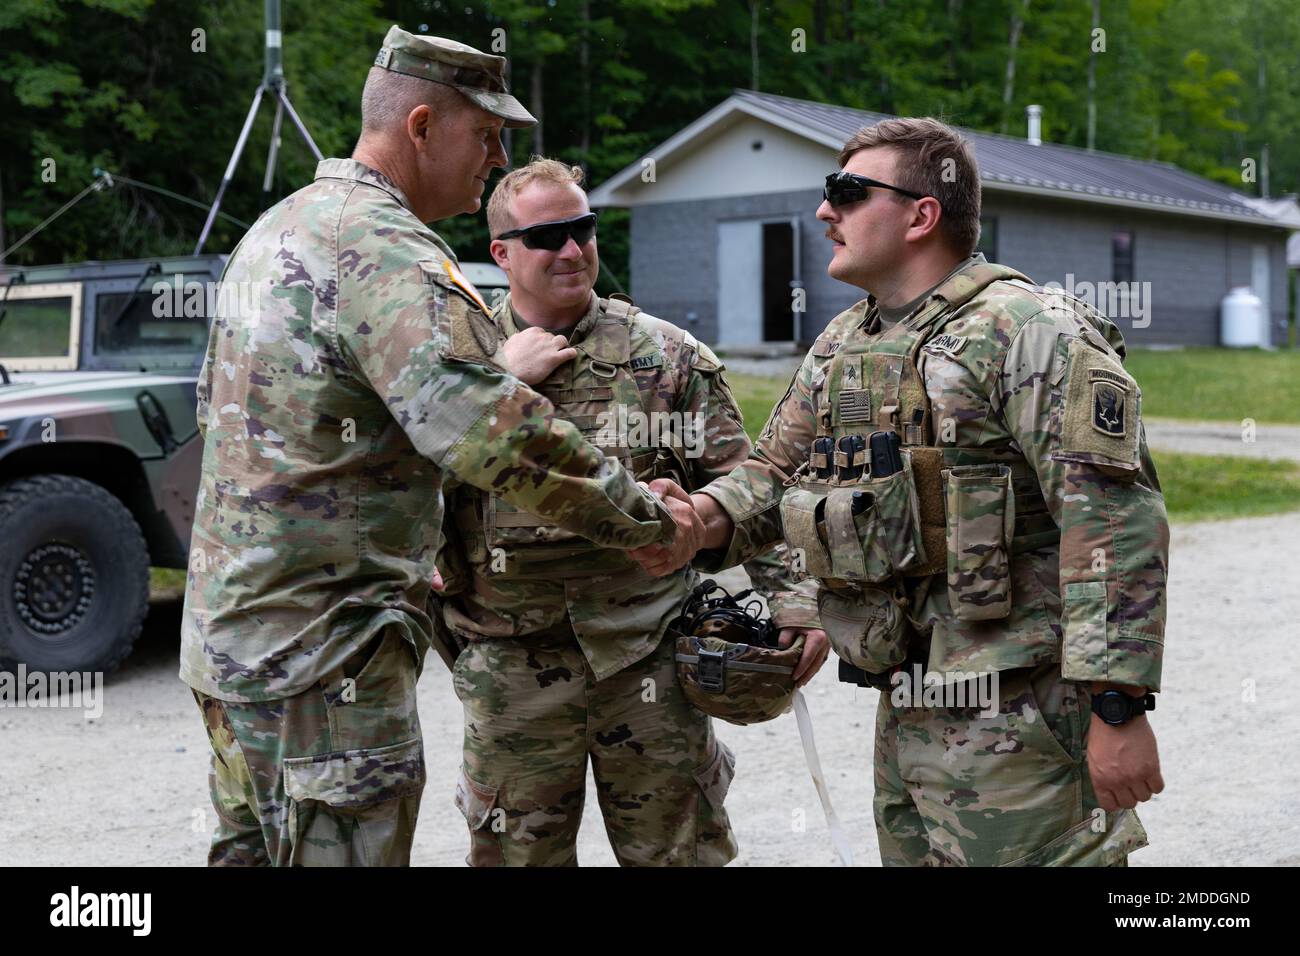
{"x":753,"y":532}
{"x":667,"y":523}
{"x":795,"y":613}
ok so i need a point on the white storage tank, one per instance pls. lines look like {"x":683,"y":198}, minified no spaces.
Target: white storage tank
{"x":1241,"y":319}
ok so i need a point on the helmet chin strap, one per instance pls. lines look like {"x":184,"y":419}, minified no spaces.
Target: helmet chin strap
{"x":839,"y":840}
{"x":745,"y":618}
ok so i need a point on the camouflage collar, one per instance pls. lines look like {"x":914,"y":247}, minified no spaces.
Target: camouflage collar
{"x":350,"y":169}
{"x":606,"y":338}
{"x":971,"y":277}
{"x":975,"y":274}
{"x":509,"y":322}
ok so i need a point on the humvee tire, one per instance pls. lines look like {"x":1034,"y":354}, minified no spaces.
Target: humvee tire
{"x":74,"y":576}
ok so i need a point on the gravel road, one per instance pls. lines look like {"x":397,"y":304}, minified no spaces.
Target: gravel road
{"x":1223,"y":438}
{"x":130,"y":787}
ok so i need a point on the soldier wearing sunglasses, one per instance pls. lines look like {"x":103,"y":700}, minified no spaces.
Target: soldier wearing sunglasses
{"x":565,"y":655}
{"x":1016,"y":530}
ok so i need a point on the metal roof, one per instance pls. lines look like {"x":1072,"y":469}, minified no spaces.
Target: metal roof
{"x":1007,"y":163}
{"x":1011,"y":162}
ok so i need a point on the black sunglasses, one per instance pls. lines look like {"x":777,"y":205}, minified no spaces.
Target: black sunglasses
{"x":843,"y":188}
{"x":552,"y":236}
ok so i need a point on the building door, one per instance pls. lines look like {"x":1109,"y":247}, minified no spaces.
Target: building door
{"x":757,"y":270}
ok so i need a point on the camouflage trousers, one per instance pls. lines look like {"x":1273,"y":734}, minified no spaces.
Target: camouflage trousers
{"x":533,"y":714}
{"x":330,"y":777}
{"x":954,"y":788}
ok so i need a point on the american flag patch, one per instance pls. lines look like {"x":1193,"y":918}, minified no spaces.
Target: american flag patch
{"x":855,"y":405}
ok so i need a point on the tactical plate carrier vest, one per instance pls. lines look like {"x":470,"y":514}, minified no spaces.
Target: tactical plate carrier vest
{"x":864,"y":528}
{"x":595,"y":392}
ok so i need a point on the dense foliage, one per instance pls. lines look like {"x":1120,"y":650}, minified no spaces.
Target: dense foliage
{"x":123,"y":85}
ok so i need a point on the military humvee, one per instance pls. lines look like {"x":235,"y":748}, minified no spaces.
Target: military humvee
{"x":99,"y":447}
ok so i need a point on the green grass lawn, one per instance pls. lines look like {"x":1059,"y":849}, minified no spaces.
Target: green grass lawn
{"x":1196,"y":487}
{"x":1210,"y":384}
{"x":167,"y":583}
{"x":1218,"y":384}
{"x":1204,"y":487}
{"x":756,"y":395}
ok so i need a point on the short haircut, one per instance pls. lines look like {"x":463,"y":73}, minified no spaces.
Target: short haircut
{"x":934,"y":160}
{"x":388,"y":98}
{"x":538,"y":170}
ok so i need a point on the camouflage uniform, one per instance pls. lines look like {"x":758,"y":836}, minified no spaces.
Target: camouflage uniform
{"x":332,"y":415}
{"x":1025,"y":536}
{"x":565,"y":653}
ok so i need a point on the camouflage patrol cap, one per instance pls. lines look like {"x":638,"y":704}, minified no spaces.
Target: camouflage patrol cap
{"x":480,"y":76}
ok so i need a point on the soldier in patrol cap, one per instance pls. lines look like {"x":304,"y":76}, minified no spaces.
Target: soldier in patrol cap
{"x":332,"y":414}
{"x":962,"y":463}
{"x":564,"y":649}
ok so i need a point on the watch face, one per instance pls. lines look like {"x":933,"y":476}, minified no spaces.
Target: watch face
{"x":1114,"y":708}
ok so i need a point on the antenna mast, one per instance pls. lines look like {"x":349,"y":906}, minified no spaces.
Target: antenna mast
{"x":274,"y":84}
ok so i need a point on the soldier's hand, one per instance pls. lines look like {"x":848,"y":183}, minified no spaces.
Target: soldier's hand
{"x":658,"y":559}
{"x":533,"y":354}
{"x":1123,"y":762}
{"x":437,"y":580}
{"x":815,"y":649}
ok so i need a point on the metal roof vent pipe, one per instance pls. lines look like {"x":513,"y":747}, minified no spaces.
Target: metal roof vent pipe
{"x":1035,"y":116}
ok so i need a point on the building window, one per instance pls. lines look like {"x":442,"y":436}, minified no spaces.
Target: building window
{"x":988,"y":243}
{"x":1121,"y":257}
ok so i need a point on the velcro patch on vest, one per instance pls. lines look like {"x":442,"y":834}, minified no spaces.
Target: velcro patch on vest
{"x":646,"y":361}
{"x":855,"y":406}
{"x":851,"y":373}
{"x":951,"y":344}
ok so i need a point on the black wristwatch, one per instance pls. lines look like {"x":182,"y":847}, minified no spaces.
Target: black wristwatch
{"x":1116,"y":707}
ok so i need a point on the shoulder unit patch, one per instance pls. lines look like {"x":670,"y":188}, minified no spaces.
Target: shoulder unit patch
{"x":1101,"y":420}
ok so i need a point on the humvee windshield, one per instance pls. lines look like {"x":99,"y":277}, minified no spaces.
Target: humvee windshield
{"x":35,"y":327}
{"x":145,"y":325}
{"x":39,"y":328}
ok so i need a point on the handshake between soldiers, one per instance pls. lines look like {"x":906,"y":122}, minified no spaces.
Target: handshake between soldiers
{"x":373,"y":427}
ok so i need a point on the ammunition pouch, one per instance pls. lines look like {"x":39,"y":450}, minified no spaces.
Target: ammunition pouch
{"x":865,"y":531}
{"x":958,"y":512}
{"x":981,"y":517}
{"x":866,"y":627}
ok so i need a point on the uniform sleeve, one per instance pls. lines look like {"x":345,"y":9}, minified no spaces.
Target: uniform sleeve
{"x":203,"y":395}
{"x":482,"y":425}
{"x":720,"y":446}
{"x":1081,"y":429}
{"x":751,"y":493}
